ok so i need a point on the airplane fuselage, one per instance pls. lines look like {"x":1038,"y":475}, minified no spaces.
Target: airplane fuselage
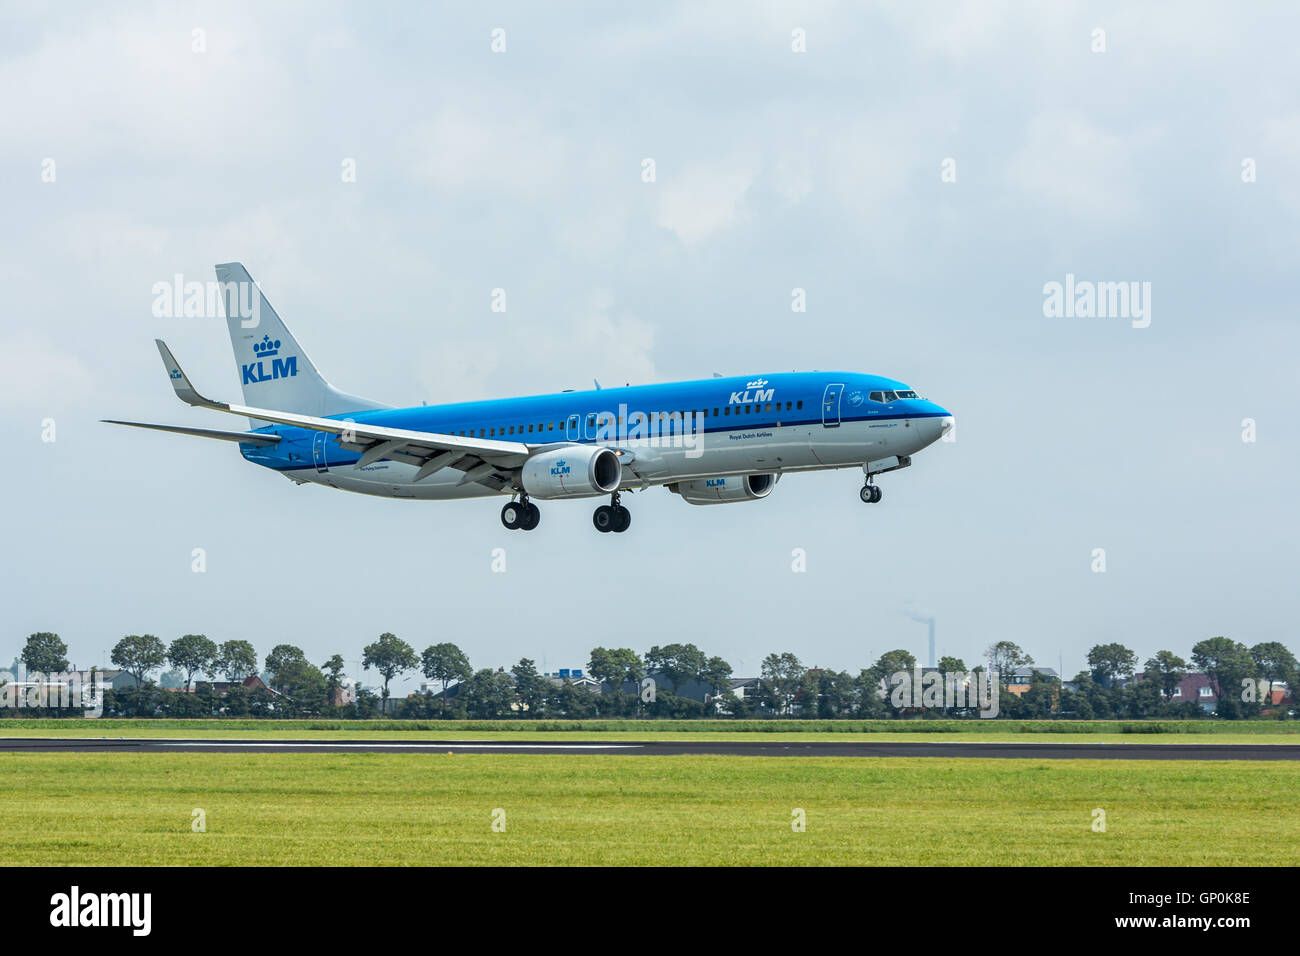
{"x":682,"y":431}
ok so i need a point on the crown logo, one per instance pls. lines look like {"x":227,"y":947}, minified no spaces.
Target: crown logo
{"x":266,"y":347}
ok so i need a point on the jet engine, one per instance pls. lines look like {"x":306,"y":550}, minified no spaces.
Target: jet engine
{"x":578,"y":471}
{"x":721,"y":491}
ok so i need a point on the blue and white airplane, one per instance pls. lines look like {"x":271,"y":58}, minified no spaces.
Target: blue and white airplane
{"x":712,"y":441}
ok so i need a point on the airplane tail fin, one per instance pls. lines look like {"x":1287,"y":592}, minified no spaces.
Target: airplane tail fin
{"x":274,"y":371}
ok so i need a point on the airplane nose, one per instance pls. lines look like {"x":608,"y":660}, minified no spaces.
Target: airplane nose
{"x":937,"y":423}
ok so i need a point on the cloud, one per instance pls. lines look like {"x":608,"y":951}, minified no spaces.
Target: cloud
{"x":705,"y":199}
{"x":498,"y":149}
{"x":36,"y":373}
{"x":1076,"y":167}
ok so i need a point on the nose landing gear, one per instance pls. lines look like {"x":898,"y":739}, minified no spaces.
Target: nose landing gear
{"x":520,"y":515}
{"x":612,"y":517}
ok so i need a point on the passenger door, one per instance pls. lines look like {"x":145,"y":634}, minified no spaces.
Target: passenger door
{"x":318,"y":453}
{"x":831,"y":405}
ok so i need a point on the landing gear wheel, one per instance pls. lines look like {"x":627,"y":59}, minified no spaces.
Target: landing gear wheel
{"x":876,"y":493}
{"x":513,"y":515}
{"x":532,"y":515}
{"x":870,"y":494}
{"x":603,"y":518}
{"x":622,"y":519}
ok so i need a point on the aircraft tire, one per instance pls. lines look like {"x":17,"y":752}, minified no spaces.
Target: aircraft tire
{"x":622,"y":519}
{"x":603,"y":518}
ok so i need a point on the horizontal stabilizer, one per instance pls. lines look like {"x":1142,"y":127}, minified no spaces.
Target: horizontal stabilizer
{"x":246,"y":438}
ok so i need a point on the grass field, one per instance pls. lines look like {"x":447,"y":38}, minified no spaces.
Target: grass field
{"x":296,"y":809}
{"x":1172,"y":732}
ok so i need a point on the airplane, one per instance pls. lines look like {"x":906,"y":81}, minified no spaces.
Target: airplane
{"x":713,"y":441}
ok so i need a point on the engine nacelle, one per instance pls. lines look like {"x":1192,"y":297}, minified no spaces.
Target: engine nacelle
{"x":721,"y":491}
{"x":578,"y":471}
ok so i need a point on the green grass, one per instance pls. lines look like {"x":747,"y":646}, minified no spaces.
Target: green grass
{"x":990,"y":731}
{"x":337,"y":809}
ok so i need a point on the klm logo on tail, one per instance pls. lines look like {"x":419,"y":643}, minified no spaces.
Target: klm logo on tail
{"x":280,"y":368}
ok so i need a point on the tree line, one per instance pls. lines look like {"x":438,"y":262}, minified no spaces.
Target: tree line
{"x":685,"y":682}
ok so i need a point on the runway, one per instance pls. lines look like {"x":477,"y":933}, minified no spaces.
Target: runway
{"x":748,"y":748}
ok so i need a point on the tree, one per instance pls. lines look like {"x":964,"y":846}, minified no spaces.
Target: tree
{"x":390,"y":655}
{"x":1274,"y":662}
{"x":445,"y":663}
{"x":1227,"y":663}
{"x":45,"y":653}
{"x":1005,"y":657}
{"x":890,"y":663}
{"x":191,"y":654}
{"x":836,"y":694}
{"x":236,"y":660}
{"x":138,"y":654}
{"x":281,"y":660}
{"x":1166,"y":670}
{"x":303,"y":683}
{"x":531,"y":687}
{"x":333,"y":669}
{"x":680,"y":663}
{"x":871,"y":697}
{"x":717,"y":674}
{"x":615,"y":666}
{"x":1111,"y":661}
{"x":952,"y":665}
{"x":779,"y":678}
{"x":488,"y":694}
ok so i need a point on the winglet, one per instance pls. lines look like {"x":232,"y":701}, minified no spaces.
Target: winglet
{"x":180,"y":381}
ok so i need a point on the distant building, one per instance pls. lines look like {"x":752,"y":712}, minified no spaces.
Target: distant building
{"x":223,"y":687}
{"x":1021,"y":679}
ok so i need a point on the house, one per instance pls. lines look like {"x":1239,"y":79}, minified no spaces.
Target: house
{"x":1021,"y":679}
{"x":223,"y":687}
{"x":1195,"y":688}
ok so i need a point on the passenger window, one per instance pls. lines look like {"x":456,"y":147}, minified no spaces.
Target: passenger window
{"x":530,"y":429}
{"x":715,"y":413}
{"x":799,"y":404}
{"x":727,"y":410}
{"x":769,"y":407}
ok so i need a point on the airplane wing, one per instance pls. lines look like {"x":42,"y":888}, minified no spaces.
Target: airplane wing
{"x":246,"y":438}
{"x":481,"y":459}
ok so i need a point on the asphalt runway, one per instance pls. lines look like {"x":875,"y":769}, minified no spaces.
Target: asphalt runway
{"x":782,"y":748}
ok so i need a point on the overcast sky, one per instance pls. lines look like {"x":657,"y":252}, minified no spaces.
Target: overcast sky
{"x":774,"y":170}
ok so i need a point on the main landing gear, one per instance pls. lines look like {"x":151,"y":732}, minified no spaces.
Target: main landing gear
{"x":870,"y":493}
{"x":522,"y":515}
{"x":612,"y":517}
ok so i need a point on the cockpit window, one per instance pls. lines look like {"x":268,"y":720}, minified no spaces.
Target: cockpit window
{"x":890,"y":397}
{"x":907,"y":393}
{"x":877,"y":396}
